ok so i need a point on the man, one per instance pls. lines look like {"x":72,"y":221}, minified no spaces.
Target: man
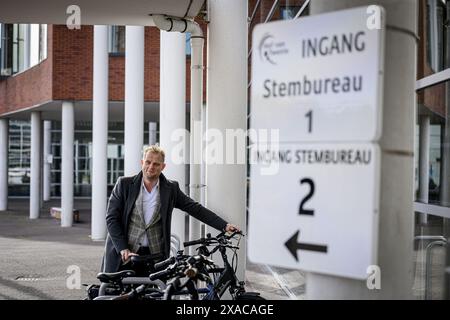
{"x":140,"y":209}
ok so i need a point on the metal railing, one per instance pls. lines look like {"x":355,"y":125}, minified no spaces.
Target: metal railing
{"x":175,"y":244}
{"x":437,"y":241}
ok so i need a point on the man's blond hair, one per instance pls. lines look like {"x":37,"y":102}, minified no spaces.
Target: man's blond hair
{"x":154,"y":149}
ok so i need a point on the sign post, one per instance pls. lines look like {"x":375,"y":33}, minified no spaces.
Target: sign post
{"x":314,"y":194}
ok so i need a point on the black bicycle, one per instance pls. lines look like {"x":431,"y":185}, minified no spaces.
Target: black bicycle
{"x":224,"y":278}
{"x":122,"y":282}
{"x":183,"y":273}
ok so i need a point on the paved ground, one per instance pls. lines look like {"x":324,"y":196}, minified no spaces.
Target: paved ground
{"x":39,"y":258}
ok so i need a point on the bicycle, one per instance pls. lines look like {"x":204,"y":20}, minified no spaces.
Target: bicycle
{"x":119,"y":283}
{"x":181,"y":274}
{"x":227,"y":278}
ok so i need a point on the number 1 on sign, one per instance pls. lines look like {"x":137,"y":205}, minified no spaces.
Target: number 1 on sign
{"x":309,"y":116}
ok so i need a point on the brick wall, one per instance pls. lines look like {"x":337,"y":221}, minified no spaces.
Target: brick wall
{"x":72,"y":63}
{"x":67,"y":72}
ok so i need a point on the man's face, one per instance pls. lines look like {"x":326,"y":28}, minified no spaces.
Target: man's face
{"x":152,"y":165}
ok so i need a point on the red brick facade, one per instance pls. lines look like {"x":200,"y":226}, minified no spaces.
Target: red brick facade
{"x":67,"y":72}
{"x":72,"y":63}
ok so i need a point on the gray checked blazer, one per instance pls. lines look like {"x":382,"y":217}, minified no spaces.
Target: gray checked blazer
{"x":121,"y":204}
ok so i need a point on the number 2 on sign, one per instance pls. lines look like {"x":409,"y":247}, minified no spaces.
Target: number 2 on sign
{"x":309,"y":116}
{"x":302,"y":210}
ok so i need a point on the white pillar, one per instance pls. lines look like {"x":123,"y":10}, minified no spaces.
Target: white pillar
{"x":424,"y":162}
{"x":227,"y":109}
{"x":46,"y":176}
{"x":41,"y":169}
{"x":100,"y":133}
{"x":4,"y":143}
{"x":134,"y":98}
{"x":173,"y":113}
{"x":35,"y":170}
{"x":195,"y":173}
{"x":203,"y":169}
{"x":68,"y":132}
{"x":395,"y":249}
{"x":152,"y":133}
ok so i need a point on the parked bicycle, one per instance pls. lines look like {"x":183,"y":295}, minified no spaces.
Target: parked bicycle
{"x":224,"y":278}
{"x":118,"y":283}
{"x":182,"y":275}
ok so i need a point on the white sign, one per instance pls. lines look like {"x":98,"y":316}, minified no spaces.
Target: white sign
{"x":319,"y":78}
{"x":319,"y":212}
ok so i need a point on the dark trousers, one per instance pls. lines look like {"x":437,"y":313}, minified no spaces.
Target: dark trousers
{"x":143,"y":268}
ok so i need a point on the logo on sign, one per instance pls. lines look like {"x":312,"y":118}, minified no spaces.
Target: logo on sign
{"x":269,"y":49}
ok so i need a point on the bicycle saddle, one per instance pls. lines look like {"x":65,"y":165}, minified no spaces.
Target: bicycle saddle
{"x":114,"y":276}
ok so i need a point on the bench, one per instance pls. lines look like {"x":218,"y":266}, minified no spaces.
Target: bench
{"x":56,"y":213}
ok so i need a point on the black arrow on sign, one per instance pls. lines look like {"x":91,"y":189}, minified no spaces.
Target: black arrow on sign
{"x":293,"y":246}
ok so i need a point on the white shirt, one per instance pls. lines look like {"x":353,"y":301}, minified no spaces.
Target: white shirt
{"x":149,"y":205}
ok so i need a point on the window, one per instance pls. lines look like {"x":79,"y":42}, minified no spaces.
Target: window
{"x":432,"y":196}
{"x":42,"y":42}
{"x":34,"y":44}
{"x":19,"y":158}
{"x":433,"y":114}
{"x":116,"y":35}
{"x":22,"y":46}
{"x":6,"y":53}
{"x":1,"y":46}
{"x":289,"y":12}
{"x":19,"y":31}
{"x":436,"y":34}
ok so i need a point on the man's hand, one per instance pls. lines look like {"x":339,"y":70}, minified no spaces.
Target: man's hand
{"x":126,"y":255}
{"x":231,"y":228}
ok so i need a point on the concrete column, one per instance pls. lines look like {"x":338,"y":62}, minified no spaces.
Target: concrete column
{"x":227,"y":108}
{"x":4,"y":144}
{"x":173,"y":114}
{"x":41,"y":169}
{"x":152,"y":133}
{"x":46,"y":164}
{"x":134,"y":98}
{"x":395,"y":257}
{"x":35,"y":172}
{"x":68,"y":131}
{"x":100,"y":133}
{"x":424,"y":162}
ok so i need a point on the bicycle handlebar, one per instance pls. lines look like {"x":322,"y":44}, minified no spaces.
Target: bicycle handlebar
{"x":209,"y":240}
{"x":132,"y":294}
{"x":164,"y":264}
{"x":160,"y":274}
{"x":194,"y":242}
